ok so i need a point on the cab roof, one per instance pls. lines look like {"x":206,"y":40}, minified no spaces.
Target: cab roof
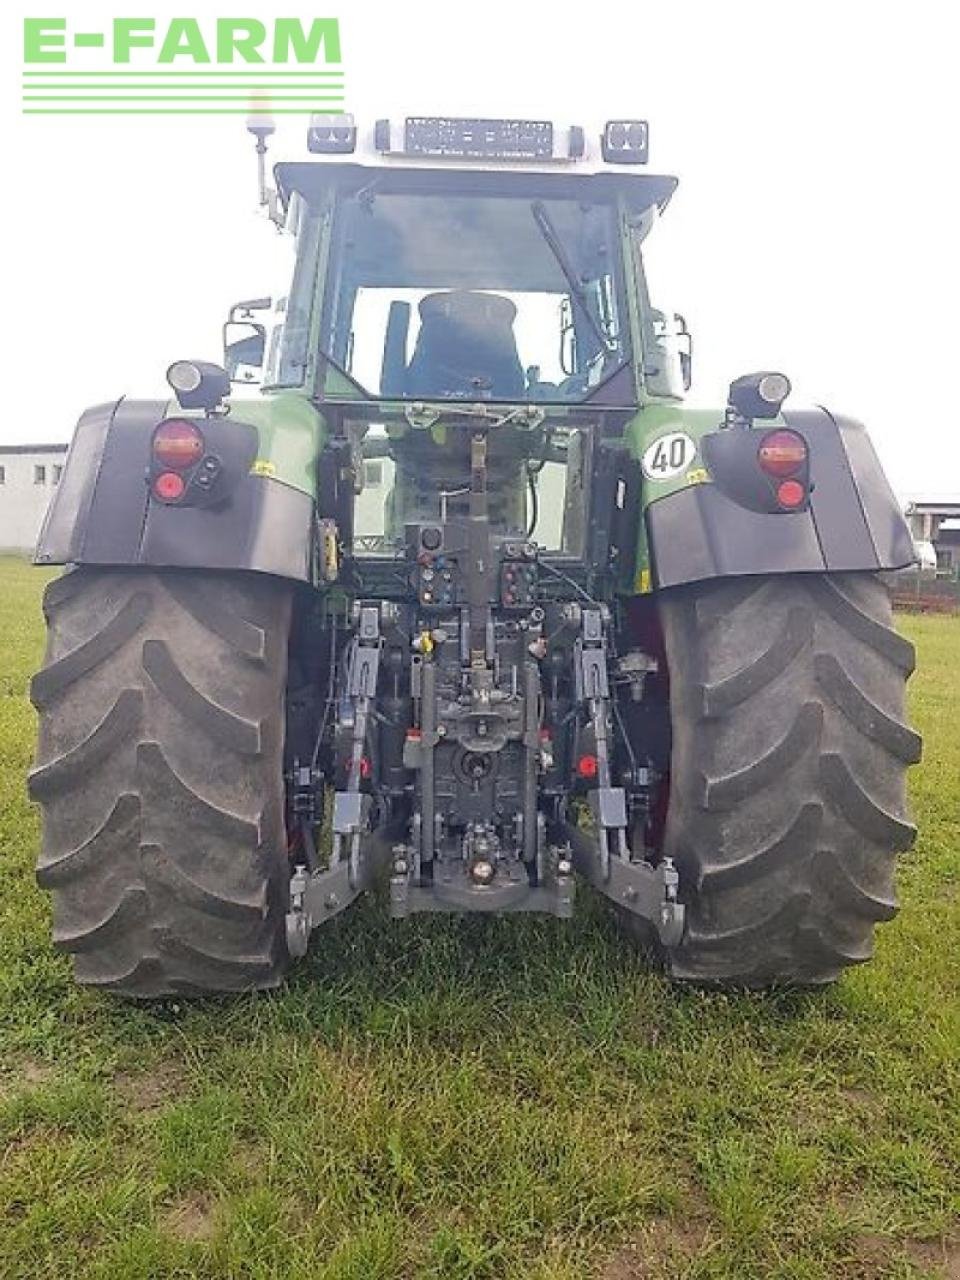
{"x":313,"y":180}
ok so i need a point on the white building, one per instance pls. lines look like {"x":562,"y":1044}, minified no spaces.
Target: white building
{"x":28,"y":475}
{"x":936,"y":520}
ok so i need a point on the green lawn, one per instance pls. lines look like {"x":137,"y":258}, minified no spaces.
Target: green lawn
{"x":490,"y":1098}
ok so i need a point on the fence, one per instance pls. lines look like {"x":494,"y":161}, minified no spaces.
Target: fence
{"x":919,"y":594}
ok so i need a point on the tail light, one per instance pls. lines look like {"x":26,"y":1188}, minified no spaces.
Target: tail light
{"x":177,"y":445}
{"x":791,"y":494}
{"x":169,"y":486}
{"x":782,"y":453}
{"x":587,"y":766}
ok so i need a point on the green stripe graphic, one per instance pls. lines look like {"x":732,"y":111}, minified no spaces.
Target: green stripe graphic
{"x":183,"y":73}
{"x":169,"y":97}
{"x":314,"y":91}
{"x":194,"y":90}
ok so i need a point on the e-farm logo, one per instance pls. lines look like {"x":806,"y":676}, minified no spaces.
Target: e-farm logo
{"x":144,"y":66}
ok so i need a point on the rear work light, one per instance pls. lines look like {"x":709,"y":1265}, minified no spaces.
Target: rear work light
{"x":332,"y":135}
{"x":625,"y":142}
{"x":177,"y":445}
{"x":782,"y":453}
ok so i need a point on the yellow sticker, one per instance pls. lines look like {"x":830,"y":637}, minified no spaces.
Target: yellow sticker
{"x":263,"y":468}
{"x":699,"y":475}
{"x":644,"y":582}
{"x":329,"y":555}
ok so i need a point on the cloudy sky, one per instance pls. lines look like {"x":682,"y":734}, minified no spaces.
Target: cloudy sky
{"x":815,"y":229}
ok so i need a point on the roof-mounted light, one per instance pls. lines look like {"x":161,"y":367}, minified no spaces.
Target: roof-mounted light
{"x":626,"y":142}
{"x":332,"y":135}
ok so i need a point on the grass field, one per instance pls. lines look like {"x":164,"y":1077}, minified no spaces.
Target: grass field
{"x":488,"y":1098}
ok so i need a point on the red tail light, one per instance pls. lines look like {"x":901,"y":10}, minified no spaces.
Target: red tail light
{"x":782,"y":453}
{"x":791,"y":494}
{"x":587,"y":766}
{"x":177,"y":444}
{"x":169,"y":486}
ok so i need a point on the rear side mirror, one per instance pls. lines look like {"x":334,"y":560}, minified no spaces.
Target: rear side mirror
{"x":243,"y":350}
{"x":244,"y":309}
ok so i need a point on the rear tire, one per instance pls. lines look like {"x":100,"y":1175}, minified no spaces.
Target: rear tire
{"x":159,"y":776}
{"x":787,"y":801}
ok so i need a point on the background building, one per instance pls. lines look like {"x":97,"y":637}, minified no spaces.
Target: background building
{"x":937,"y":521}
{"x":28,"y":475}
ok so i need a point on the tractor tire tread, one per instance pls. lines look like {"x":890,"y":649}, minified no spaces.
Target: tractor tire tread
{"x":164,"y":846}
{"x":790,"y":748}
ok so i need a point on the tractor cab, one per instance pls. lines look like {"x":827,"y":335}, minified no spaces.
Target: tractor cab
{"x":470,"y":261}
{"x":452,"y":276}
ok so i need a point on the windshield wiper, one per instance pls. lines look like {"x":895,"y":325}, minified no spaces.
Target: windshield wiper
{"x":577,"y":292}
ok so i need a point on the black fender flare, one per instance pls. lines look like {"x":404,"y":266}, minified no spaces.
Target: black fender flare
{"x":852,"y":520}
{"x":102,"y":512}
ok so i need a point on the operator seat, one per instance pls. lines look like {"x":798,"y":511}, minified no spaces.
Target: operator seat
{"x":466,"y":347}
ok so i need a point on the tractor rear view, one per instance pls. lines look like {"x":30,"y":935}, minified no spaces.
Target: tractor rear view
{"x":463,"y":601}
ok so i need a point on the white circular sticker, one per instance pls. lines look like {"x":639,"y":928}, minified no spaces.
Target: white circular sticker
{"x":668,"y":456}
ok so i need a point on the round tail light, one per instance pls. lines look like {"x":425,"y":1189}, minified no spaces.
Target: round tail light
{"x":791,"y":494}
{"x":169,"y":486}
{"x":782,"y":453}
{"x":587,"y":766}
{"x":177,"y":444}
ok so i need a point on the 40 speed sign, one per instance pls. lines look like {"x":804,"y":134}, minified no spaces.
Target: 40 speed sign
{"x":668,"y":456}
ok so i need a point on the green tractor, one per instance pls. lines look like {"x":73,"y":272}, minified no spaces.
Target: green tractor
{"x":458,"y":598}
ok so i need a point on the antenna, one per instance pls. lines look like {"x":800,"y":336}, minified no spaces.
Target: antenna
{"x":262,"y":126}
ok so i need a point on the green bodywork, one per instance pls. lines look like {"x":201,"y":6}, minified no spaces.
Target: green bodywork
{"x":293,"y":434}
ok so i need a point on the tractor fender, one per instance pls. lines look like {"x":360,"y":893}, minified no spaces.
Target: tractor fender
{"x":712,"y":527}
{"x":104,"y":513}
